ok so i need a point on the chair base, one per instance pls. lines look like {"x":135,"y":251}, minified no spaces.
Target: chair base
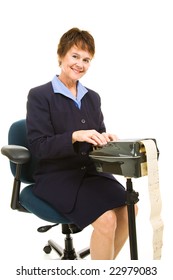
{"x":68,"y":253}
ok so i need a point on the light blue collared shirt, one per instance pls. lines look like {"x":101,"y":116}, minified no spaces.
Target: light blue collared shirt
{"x":59,"y":87}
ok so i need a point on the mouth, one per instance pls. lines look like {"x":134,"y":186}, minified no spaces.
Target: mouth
{"x":77,"y":71}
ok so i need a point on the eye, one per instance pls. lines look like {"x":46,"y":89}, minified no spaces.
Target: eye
{"x":75,"y":56}
{"x":87,"y":60}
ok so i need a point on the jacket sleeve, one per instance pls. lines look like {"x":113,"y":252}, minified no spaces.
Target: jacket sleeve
{"x":44,"y":143}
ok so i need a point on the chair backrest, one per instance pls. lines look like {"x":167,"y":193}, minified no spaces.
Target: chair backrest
{"x":17,"y":136}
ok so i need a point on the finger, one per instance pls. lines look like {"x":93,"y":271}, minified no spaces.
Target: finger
{"x":106,"y":136}
{"x":99,"y":139}
{"x":91,"y":140}
{"x":111,"y":137}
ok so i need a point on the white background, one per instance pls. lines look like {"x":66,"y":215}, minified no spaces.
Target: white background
{"x":132,"y":71}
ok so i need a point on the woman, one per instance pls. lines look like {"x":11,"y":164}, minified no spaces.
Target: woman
{"x":64,"y":122}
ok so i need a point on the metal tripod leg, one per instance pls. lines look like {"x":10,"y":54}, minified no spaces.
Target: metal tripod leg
{"x":132,"y":198}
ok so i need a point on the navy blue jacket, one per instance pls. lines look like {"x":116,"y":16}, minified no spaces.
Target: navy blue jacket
{"x":51,"y":120}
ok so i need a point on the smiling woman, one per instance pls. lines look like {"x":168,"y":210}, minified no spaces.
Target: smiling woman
{"x":73,"y":66}
{"x":75,"y":51}
{"x":64,"y":121}
{"x":131,"y":70}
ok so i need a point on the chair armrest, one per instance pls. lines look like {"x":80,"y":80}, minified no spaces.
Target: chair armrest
{"x":16,"y":154}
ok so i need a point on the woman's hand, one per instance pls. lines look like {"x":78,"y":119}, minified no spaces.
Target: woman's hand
{"x":110,"y":137}
{"x":93,"y":137}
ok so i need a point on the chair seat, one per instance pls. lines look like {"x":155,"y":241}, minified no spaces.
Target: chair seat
{"x":40,"y":208}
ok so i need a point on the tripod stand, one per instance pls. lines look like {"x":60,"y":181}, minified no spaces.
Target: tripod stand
{"x":132,"y":198}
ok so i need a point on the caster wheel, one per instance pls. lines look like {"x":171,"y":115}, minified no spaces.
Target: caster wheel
{"x":47,"y":249}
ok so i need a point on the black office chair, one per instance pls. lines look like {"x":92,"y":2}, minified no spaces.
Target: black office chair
{"x":22,"y":165}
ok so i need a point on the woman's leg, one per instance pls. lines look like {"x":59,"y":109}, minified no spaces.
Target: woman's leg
{"x":110,"y":234}
{"x":103,"y":236}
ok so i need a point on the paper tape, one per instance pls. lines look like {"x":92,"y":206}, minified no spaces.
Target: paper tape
{"x":154,"y":196}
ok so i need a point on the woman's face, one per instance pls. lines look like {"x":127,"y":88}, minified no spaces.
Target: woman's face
{"x":75,"y":63}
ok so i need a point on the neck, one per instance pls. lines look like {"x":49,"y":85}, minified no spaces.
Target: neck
{"x":70,"y":84}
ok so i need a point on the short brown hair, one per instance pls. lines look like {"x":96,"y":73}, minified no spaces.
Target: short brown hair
{"x":81,"y":38}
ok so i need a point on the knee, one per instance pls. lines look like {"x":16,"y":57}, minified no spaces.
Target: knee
{"x":107,"y":223}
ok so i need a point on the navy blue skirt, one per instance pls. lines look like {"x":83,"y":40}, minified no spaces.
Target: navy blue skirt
{"x":96,"y":195}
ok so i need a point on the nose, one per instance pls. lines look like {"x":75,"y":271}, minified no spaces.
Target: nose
{"x":79,"y":63}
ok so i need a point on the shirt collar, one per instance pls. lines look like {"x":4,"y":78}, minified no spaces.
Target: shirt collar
{"x":59,"y":87}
